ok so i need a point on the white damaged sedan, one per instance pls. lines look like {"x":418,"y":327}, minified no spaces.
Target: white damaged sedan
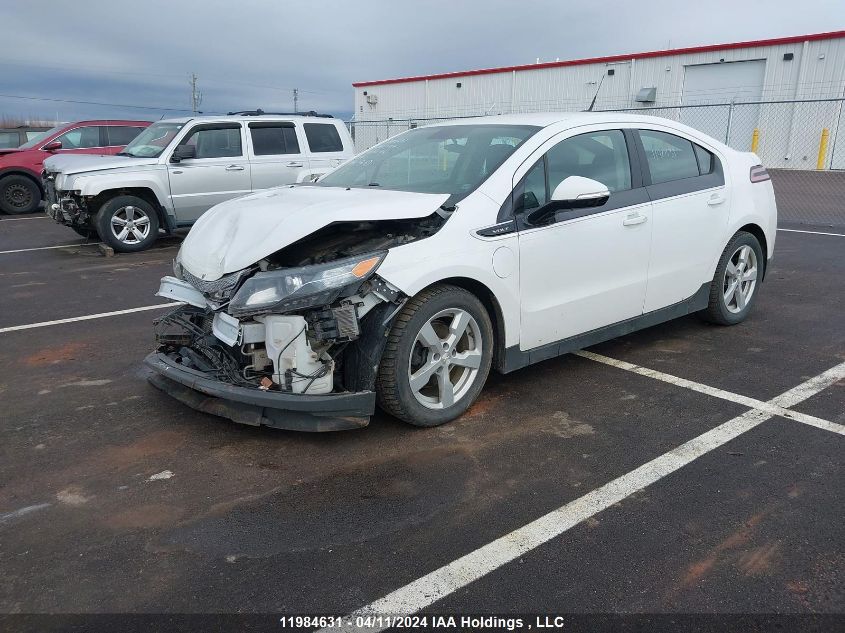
{"x":402,"y":277}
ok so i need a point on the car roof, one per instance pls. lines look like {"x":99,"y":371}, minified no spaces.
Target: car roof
{"x":228,"y":118}
{"x":545,"y":119}
{"x":106,"y":122}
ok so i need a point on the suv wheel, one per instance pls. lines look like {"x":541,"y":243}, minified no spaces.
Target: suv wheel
{"x":19,"y":194}
{"x":127,"y":223}
{"x":437,"y":357}
{"x":734,"y":286}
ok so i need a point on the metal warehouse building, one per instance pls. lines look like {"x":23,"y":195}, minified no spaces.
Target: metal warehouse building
{"x":789,"y":90}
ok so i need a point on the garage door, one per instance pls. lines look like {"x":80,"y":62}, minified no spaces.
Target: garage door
{"x":722,"y":83}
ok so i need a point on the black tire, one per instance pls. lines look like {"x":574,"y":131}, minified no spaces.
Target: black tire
{"x":718,"y":310}
{"x":118,"y":206}
{"x":19,"y":194}
{"x":393,"y":385}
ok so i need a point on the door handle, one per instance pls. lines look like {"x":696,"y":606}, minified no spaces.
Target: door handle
{"x":293,"y":164}
{"x":176,"y":171}
{"x":235,"y":168}
{"x":634,"y":219}
{"x":715,"y":199}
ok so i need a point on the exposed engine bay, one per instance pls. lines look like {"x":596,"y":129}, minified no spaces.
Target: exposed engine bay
{"x":309,"y":319}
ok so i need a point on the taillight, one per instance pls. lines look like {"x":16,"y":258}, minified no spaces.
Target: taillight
{"x":759,"y":174}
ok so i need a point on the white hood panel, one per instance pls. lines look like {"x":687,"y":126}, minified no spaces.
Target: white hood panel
{"x":79,"y":163}
{"x":238,"y":233}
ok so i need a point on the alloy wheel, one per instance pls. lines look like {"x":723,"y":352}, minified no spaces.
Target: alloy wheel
{"x":130,"y":225}
{"x":740,"y":279}
{"x":445,"y":358}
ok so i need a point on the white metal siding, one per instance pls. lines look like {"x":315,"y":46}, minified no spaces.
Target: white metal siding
{"x":573,"y":87}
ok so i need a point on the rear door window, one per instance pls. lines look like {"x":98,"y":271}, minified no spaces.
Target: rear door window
{"x":323,"y":137}
{"x":270,"y":139}
{"x":669,"y":157}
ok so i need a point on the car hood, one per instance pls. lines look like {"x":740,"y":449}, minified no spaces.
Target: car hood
{"x":238,"y":233}
{"x":79,"y":163}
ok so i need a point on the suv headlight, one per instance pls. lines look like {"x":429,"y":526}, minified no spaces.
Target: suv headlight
{"x":303,"y":287}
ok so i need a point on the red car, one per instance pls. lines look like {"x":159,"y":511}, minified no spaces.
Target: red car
{"x":20,"y":168}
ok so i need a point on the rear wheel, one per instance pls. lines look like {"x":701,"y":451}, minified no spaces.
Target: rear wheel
{"x":19,"y":194}
{"x":437,"y":357}
{"x":733,"y":290}
{"x":127,"y":223}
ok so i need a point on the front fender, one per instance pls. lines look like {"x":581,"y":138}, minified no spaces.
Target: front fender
{"x":94,"y":185}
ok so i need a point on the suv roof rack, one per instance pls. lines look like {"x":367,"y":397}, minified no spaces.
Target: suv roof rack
{"x":260,"y":112}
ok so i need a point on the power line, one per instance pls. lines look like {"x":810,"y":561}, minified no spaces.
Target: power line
{"x":98,"y":103}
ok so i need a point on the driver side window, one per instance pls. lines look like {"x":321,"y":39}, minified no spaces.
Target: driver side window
{"x":600,"y":156}
{"x":81,"y":138}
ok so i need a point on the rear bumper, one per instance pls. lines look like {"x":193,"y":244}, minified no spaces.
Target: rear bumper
{"x":297,"y":412}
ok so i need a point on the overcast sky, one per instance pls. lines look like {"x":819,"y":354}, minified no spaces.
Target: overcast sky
{"x":252,"y":53}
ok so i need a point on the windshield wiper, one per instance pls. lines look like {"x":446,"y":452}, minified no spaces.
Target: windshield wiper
{"x":124,"y":154}
{"x":374,"y":184}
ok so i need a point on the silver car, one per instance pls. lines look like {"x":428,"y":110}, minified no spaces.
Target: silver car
{"x":177,"y":169}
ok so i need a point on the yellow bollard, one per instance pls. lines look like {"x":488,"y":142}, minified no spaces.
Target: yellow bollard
{"x":755,"y":140}
{"x":822,"y":148}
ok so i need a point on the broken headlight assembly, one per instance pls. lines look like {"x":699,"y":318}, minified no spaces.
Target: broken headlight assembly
{"x":303,"y":287}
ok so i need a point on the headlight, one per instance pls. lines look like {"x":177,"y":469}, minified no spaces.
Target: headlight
{"x":177,"y":267}
{"x":293,"y":288}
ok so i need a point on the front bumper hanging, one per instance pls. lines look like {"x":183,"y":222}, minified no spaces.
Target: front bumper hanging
{"x":296,"y":412}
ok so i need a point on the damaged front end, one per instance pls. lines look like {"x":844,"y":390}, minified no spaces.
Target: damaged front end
{"x":291,"y":342}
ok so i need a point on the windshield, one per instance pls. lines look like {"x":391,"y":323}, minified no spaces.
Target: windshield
{"x":41,"y":136}
{"x":152,"y":141}
{"x":451,"y":159}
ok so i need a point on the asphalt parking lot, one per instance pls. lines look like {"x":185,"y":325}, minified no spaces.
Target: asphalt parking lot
{"x":683,"y":469}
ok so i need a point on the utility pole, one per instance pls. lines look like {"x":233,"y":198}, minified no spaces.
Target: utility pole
{"x":196,"y":95}
{"x":295,"y":99}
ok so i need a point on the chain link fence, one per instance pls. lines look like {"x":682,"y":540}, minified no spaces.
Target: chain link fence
{"x":801,"y":142}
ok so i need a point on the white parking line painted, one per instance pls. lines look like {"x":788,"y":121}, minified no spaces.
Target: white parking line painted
{"x":38,"y":217}
{"x":47,"y":248}
{"x":438,"y":584}
{"x":812,"y":232}
{"x":773,"y":407}
{"x":88,"y":317}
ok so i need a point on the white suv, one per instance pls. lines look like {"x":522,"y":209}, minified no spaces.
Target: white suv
{"x":177,"y":169}
{"x":403,"y":276}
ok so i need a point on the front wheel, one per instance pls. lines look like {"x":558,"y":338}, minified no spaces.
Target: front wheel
{"x":19,"y":194}
{"x":733,"y":290}
{"x":437,"y":357}
{"x":127,"y":223}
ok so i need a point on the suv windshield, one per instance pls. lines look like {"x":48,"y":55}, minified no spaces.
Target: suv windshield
{"x":451,"y":159}
{"x":152,"y":141}
{"x":41,"y":136}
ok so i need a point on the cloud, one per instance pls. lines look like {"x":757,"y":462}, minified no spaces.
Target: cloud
{"x":253,"y":53}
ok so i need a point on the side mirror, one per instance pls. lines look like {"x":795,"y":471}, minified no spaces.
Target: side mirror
{"x":52,"y":146}
{"x":182,"y":152}
{"x":574,"y":192}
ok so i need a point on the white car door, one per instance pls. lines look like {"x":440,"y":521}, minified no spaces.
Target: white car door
{"x":219,"y":172}
{"x":583,"y":268}
{"x":276,"y":156}
{"x":690,"y":207}
{"x":325,"y":146}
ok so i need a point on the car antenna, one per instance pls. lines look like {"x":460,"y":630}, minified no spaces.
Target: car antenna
{"x":595,"y":96}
